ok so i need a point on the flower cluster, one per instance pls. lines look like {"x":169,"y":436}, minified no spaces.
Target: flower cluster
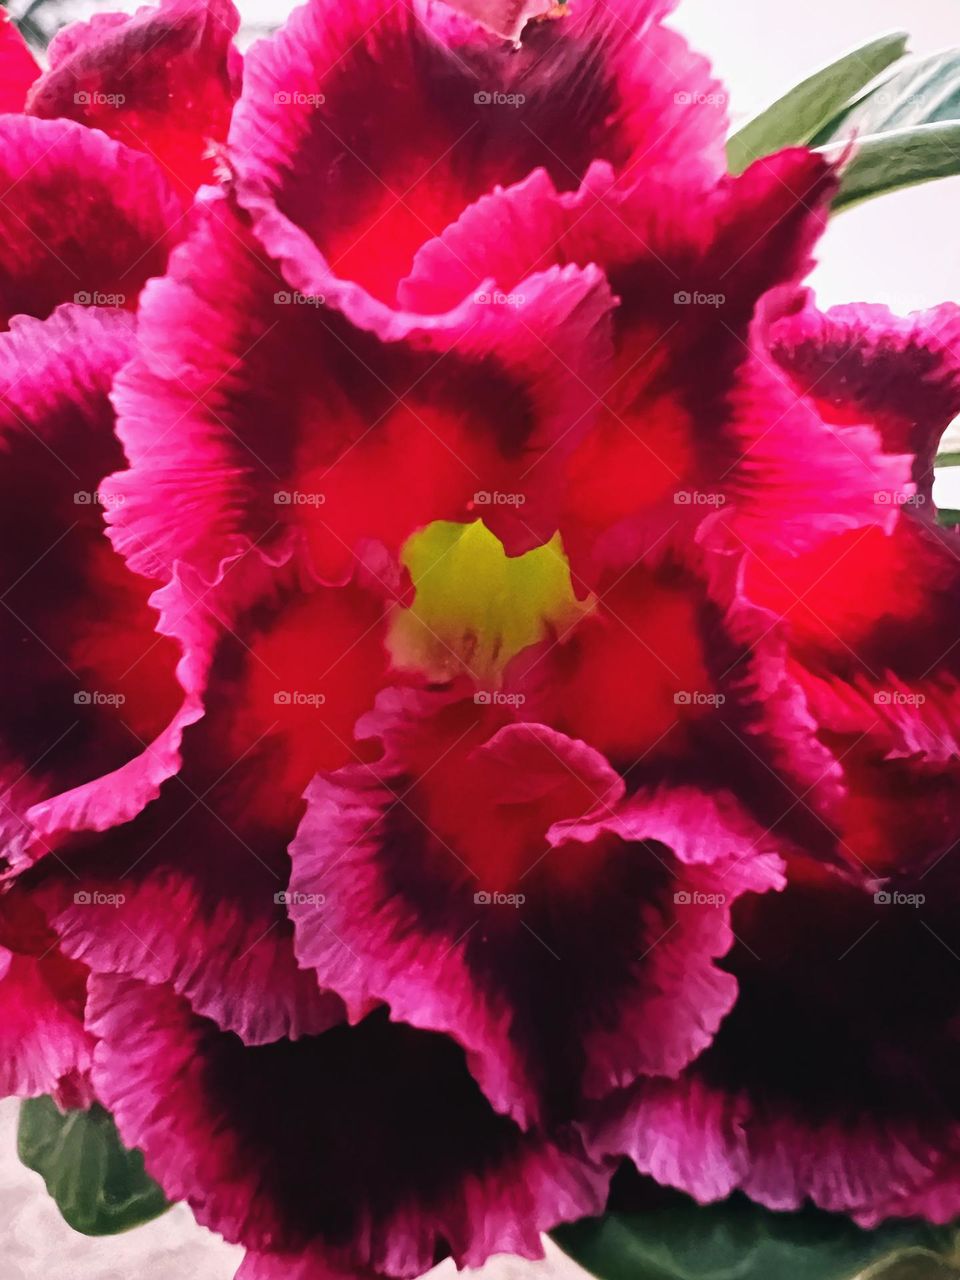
{"x":480,"y":659}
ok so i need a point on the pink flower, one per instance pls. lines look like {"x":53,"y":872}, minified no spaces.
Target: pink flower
{"x":418,"y":872}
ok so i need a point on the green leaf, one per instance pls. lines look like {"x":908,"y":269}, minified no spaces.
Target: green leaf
{"x":902,"y":158}
{"x":673,"y":1238}
{"x":796,"y":118}
{"x":100,"y":1187}
{"x":918,"y":90}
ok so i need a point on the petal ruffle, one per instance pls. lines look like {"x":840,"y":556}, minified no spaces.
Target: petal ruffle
{"x":863,"y":364}
{"x":696,"y":415}
{"x":44,"y":1046}
{"x":161,"y":80}
{"x":90,"y":683}
{"x":495,"y":889}
{"x":287,"y":671}
{"x":251,"y":410}
{"x":372,"y":129}
{"x":121,"y":226}
{"x":832,"y":1077}
{"x":370,"y":1145}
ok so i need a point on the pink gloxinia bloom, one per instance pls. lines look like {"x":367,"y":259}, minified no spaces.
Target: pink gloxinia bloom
{"x":481,"y":659}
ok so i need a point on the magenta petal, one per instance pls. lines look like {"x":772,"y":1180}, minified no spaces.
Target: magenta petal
{"x":565,"y":967}
{"x":192,"y":890}
{"x":253,"y":410}
{"x":830,"y":1080}
{"x":295,"y":1146}
{"x":43,"y":1043}
{"x":120,"y":229}
{"x":18,"y":67}
{"x":161,"y":80}
{"x":863,"y":364}
{"x":371,"y":129}
{"x":311,"y":1265}
{"x":90,"y":683}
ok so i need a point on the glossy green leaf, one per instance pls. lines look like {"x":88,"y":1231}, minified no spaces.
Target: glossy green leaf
{"x":917,"y":90}
{"x":796,"y":118}
{"x":675,"y":1239}
{"x":100,"y":1187}
{"x":902,"y":158}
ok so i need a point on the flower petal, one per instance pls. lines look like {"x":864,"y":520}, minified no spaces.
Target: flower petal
{"x":371,"y":129}
{"x":90,"y":683}
{"x":18,"y":67}
{"x":376,"y":438}
{"x":44,"y":1046}
{"x":863,"y":364}
{"x":161,"y":80}
{"x":831,"y":1078}
{"x":314,"y":1145}
{"x":286,"y":672}
{"x":121,"y":226}
{"x":462,"y":881}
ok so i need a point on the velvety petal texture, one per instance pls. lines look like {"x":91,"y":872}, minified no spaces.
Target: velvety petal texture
{"x":161,"y":80}
{"x":522,"y":913}
{"x":380,"y":433}
{"x":193,"y":891}
{"x":414,"y":112}
{"x":315,"y":1169}
{"x":122,"y":221}
{"x":18,"y":67}
{"x":90,"y":684}
{"x":481,"y":682}
{"x":831,"y":1078}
